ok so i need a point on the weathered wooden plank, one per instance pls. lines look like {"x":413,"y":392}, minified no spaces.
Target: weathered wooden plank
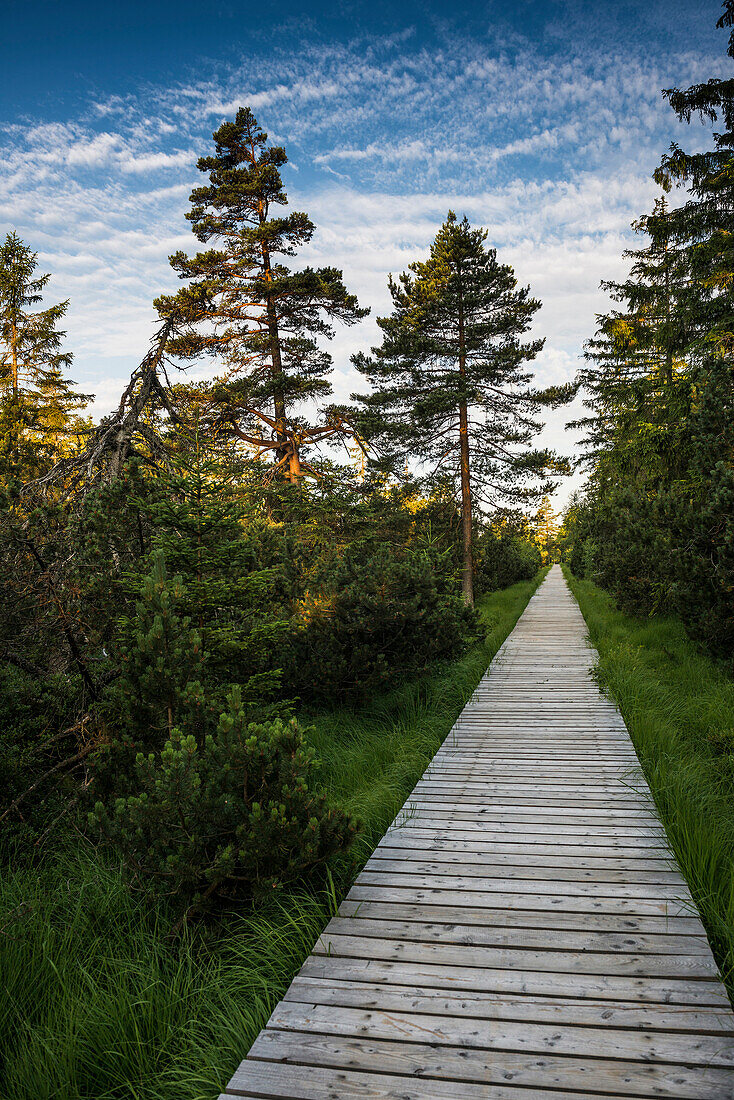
{"x":527,"y":864}
{"x":621,"y":804}
{"x":640,"y":897}
{"x":578,"y":836}
{"x":491,"y":1006}
{"x":540,"y":983}
{"x":508,"y":775}
{"x":464,"y":1064}
{"x":519,"y":848}
{"x":489,"y":899}
{"x":540,"y":808}
{"x":408,"y":862}
{"x":472,"y":1033}
{"x":552,"y":826}
{"x":547,"y":759}
{"x":268,"y":1081}
{"x":688,"y":925}
{"x":344,"y":944}
{"x":550,"y":811}
{"x":386,"y":927}
{"x":511,"y":779}
{"x":488,"y":789}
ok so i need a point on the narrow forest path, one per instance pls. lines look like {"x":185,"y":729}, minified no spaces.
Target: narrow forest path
{"x":522,"y":931}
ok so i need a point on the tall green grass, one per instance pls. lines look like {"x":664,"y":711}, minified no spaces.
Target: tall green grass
{"x":679,"y":709}
{"x":99,"y":1002}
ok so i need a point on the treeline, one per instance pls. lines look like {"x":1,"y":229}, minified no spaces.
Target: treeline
{"x":656,"y":525}
{"x":182,"y":579}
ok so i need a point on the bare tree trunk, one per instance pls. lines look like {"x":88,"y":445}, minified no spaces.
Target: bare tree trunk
{"x":467,"y":571}
{"x":14,"y":358}
{"x":275,"y":357}
{"x":295,"y":473}
{"x":668,"y":340}
{"x":278,"y":395}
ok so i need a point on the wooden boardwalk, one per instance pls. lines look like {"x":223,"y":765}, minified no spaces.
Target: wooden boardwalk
{"x":522,"y":931}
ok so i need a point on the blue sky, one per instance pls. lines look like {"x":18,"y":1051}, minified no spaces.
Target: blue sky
{"x":541,"y":121}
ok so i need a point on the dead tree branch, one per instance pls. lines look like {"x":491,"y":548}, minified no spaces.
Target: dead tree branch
{"x":112,"y":442}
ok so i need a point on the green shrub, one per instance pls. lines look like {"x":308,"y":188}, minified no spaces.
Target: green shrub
{"x":504,"y":558}
{"x":232,"y":817}
{"x":161,"y":659}
{"x":385,"y":616}
{"x":167,"y":678}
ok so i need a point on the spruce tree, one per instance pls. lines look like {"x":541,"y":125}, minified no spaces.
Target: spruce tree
{"x":161,"y":659}
{"x":234,"y":599}
{"x":704,"y":224}
{"x":36,"y":399}
{"x":656,"y":294}
{"x":247,"y":309}
{"x":450,"y":388}
{"x":632,"y":371}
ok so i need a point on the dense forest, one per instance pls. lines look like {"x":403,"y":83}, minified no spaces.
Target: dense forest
{"x":238,"y":616}
{"x":655,"y":525}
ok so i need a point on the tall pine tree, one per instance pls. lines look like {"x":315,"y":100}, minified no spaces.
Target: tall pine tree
{"x":450,"y":388}
{"x":245,"y":307}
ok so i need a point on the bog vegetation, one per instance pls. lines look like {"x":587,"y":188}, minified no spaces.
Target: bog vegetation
{"x":102,"y":1000}
{"x":236,"y":616}
{"x":186,"y":580}
{"x":236,"y":619}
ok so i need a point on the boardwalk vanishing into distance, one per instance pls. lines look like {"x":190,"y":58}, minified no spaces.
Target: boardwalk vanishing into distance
{"x":522,"y":931}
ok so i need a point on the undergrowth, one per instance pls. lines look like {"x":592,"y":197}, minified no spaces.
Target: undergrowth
{"x":99,"y":1000}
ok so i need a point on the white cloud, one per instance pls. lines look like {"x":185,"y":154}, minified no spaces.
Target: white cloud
{"x":406,"y":150}
{"x":301,"y":91}
{"x":93,"y":153}
{"x":149,"y":162}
